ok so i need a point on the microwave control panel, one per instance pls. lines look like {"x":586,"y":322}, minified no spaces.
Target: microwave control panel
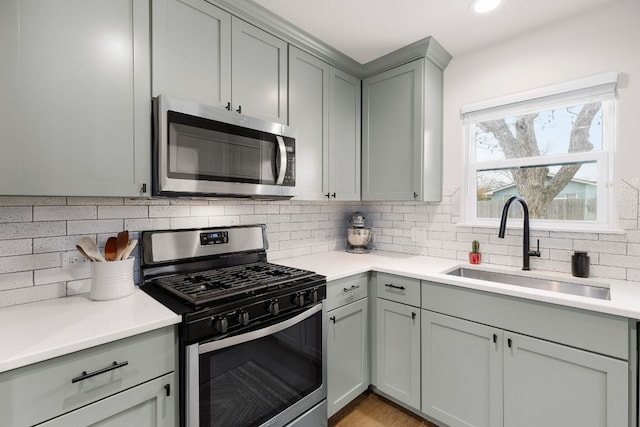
{"x":214,"y":238}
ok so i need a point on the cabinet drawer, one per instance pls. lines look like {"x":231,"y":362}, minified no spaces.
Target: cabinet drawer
{"x":347,"y":290}
{"x":38,"y":392}
{"x":397,"y":288}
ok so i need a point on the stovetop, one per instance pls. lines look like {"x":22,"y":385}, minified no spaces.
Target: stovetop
{"x":201,"y":287}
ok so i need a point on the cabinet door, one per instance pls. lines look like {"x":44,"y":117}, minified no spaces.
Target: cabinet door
{"x":74,"y":110}
{"x":548,"y":384}
{"x":391,"y":131}
{"x":461,"y":371}
{"x":259,"y":72}
{"x":398,"y":351}
{"x":309,"y":114}
{"x":191,"y":51}
{"x":344,"y":136}
{"x":348,"y":354}
{"x":150,"y":404}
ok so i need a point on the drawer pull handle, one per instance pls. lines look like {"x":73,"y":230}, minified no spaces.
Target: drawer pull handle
{"x":351,"y":288}
{"x":333,"y":319}
{"x":392,"y":286}
{"x":167,"y":390}
{"x":413,"y":315}
{"x":84,"y":376}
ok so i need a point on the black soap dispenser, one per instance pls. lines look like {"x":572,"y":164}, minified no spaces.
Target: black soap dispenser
{"x":580,"y":264}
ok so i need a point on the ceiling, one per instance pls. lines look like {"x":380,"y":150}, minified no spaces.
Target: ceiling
{"x":367,"y":29}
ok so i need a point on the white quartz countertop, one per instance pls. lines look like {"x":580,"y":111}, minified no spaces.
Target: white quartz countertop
{"x":625,"y":295}
{"x":38,"y":331}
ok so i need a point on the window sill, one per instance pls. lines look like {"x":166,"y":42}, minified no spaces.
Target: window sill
{"x":515,"y":223}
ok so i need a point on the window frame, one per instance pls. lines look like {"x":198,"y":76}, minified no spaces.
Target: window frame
{"x":599,"y":88}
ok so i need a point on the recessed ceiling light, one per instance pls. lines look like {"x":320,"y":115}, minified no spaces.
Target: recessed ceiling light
{"x":483,"y":6}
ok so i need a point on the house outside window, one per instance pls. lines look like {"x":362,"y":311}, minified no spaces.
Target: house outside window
{"x":551,"y":146}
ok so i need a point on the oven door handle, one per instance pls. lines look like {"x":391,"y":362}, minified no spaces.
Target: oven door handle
{"x":249,"y":336}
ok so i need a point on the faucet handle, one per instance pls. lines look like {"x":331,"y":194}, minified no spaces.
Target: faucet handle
{"x":537,"y":251}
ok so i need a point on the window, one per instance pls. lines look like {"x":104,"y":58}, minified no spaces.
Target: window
{"x":553,"y":147}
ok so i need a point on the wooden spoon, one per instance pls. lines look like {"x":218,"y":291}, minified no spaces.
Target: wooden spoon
{"x":84,"y":253}
{"x":129,"y":248}
{"x":122,"y":242}
{"x":111,"y":249}
{"x":89,"y":247}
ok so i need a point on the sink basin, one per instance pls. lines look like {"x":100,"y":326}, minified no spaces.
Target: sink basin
{"x":599,"y":292}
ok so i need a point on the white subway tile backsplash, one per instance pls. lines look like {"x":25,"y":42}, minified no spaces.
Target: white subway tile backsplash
{"x":26,"y":230}
{"x":122,"y":212}
{"x":62,"y":213}
{"x":16,"y":214}
{"x":15,"y":247}
{"x":21,"y":279}
{"x":12,"y":264}
{"x":35,"y":232}
{"x":94,"y":226}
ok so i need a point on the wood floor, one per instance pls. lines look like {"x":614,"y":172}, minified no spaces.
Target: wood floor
{"x":371,"y":410}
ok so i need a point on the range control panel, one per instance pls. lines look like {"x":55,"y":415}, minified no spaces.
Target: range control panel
{"x":214,"y":238}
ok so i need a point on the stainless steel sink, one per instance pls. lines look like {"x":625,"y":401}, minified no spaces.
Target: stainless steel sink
{"x":599,"y":292}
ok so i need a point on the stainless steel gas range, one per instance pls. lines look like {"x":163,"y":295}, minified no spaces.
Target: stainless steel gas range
{"x":252,"y":339}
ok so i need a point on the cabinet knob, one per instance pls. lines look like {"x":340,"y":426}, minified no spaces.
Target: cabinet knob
{"x":239,"y":110}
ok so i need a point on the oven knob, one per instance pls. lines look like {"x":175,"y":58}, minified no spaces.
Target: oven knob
{"x":274,"y":308}
{"x":243,"y":318}
{"x":298,"y":300}
{"x":220,"y":324}
{"x":313,"y":296}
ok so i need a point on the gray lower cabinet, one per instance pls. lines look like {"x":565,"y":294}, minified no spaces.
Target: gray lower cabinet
{"x":398,"y":351}
{"x":475,"y":374}
{"x":547,"y":384}
{"x":130,"y":382}
{"x":402,"y":133}
{"x":348,"y":354}
{"x":461,"y":371}
{"x":324,"y":106}
{"x":348,"y":351}
{"x":149,"y":404}
{"x":74,"y":110}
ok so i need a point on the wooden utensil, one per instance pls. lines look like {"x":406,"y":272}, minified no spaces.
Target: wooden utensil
{"x":129,"y":248}
{"x":89,"y":247}
{"x":111,"y":249}
{"x":86,"y":255}
{"x":122,"y":242}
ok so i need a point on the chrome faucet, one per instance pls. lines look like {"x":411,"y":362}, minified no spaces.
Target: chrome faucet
{"x":526,"y":252}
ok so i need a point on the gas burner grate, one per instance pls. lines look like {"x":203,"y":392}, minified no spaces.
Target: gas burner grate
{"x":211,"y":285}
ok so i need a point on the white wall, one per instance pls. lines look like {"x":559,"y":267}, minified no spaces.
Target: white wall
{"x":604,"y":39}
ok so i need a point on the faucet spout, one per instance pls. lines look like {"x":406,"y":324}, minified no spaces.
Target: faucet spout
{"x":526,"y":252}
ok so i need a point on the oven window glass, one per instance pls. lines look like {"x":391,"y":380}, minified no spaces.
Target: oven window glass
{"x":215,"y":151}
{"x":250,"y":383}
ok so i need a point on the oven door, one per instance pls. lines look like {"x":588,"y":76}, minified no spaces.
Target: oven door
{"x":269,"y":376}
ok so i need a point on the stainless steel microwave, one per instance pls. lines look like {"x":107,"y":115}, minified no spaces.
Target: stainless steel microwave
{"x":204,"y":151}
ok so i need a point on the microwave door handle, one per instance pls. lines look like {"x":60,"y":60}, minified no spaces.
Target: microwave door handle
{"x":281,"y":164}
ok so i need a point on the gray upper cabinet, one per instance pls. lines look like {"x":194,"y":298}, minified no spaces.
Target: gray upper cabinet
{"x":191,"y":51}
{"x":402,"y":133}
{"x":309,"y":114}
{"x":259,"y":72}
{"x":74,"y":110}
{"x":203,"y":53}
{"x":344,"y":136}
{"x":324,"y":106}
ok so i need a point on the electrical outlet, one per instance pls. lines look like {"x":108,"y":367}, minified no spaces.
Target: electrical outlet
{"x":69,"y":260}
